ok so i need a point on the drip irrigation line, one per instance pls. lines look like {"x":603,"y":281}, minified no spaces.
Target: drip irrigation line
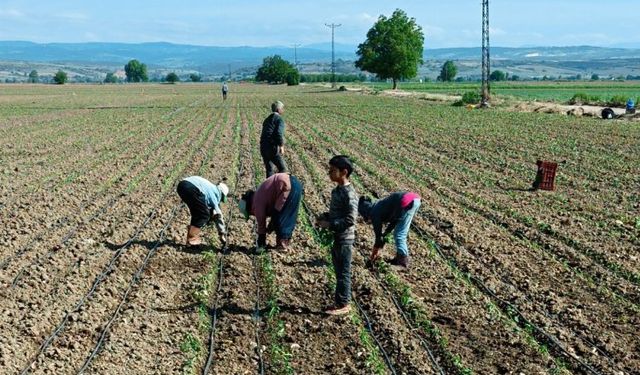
{"x":70,"y":233}
{"x":378,"y":343}
{"x":506,"y":306}
{"x":98,"y":280}
{"x":134,"y":281}
{"x":225,"y":251}
{"x":402,"y":312}
{"x":107,"y":270}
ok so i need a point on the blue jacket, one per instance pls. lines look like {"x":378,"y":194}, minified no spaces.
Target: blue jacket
{"x":212,"y":195}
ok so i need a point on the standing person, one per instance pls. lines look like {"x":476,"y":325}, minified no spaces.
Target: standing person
{"x":341,"y":220}
{"x":225,"y":90}
{"x":272,"y":140}
{"x":203,"y":199}
{"x":397,"y":210}
{"x":278,"y":197}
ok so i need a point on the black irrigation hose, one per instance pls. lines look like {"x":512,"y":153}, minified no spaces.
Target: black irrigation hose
{"x":310,"y":213}
{"x":257,"y":317}
{"x":549,"y":339}
{"x":63,"y":242}
{"x":72,"y":231}
{"x":134,"y":281}
{"x":98,"y":280}
{"x":370,"y":330}
{"x":406,"y":319}
{"x":225,"y":250}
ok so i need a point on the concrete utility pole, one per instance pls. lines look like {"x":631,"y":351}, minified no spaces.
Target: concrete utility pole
{"x":333,"y":53}
{"x":486,"y":70}
{"x":295,"y":55}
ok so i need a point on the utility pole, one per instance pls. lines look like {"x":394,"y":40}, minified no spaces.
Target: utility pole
{"x":295,"y":55}
{"x":486,"y":70}
{"x":333,"y":53}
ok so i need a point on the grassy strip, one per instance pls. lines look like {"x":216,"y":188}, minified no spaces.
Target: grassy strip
{"x":191,"y":346}
{"x":324,"y":239}
{"x":278,"y":352}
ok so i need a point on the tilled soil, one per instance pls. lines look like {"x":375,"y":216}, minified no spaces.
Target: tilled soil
{"x":94,"y":276}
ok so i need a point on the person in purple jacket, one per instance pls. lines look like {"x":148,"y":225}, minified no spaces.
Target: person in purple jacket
{"x":397,"y":211}
{"x":278,"y":198}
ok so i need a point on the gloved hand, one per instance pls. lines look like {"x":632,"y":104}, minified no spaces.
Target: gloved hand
{"x":223,"y":239}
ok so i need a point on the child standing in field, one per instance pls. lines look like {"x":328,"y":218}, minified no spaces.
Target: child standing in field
{"x":341,"y":219}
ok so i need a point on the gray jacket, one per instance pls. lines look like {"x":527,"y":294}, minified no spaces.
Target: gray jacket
{"x":343,"y":212}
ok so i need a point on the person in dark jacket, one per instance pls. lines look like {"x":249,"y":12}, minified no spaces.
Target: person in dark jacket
{"x":203,"y":199}
{"x":272,"y":140}
{"x":341,"y":220}
{"x":278,"y":197}
{"x":396,"y":210}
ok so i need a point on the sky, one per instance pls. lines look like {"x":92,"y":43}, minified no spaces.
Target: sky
{"x":445,"y":23}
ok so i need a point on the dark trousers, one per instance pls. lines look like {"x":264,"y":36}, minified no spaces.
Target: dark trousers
{"x":341,"y":257}
{"x":271,"y":157}
{"x":194,"y":199}
{"x":285,"y":220}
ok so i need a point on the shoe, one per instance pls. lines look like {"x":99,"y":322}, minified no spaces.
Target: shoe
{"x":338,"y":310}
{"x":282,"y":244}
{"x":401,"y":261}
{"x":193,"y":236}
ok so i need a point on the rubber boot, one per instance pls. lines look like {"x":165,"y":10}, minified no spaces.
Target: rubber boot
{"x":400,"y":261}
{"x":282,"y":244}
{"x":193,"y":236}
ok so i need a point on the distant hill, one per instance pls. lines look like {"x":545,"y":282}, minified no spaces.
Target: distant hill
{"x":212,"y":61}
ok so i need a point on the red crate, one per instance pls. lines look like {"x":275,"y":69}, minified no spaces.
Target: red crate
{"x":546,"y":176}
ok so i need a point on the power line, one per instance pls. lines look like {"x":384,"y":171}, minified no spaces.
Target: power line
{"x":333,"y":53}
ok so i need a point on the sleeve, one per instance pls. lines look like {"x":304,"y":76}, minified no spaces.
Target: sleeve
{"x":260,"y":211}
{"x":279,"y":136}
{"x":377,"y":229}
{"x":349,"y":205}
{"x":219,"y":220}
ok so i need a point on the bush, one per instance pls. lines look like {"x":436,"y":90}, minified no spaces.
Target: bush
{"x":471,"y":97}
{"x":293,"y":77}
{"x":342,"y":88}
{"x":617,"y":101}
{"x":582,"y":98}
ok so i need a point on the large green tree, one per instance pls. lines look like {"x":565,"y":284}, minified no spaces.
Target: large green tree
{"x":448,"y":71}
{"x":275,"y":69}
{"x":136,"y":71}
{"x":33,"y":76}
{"x":110,"y":78}
{"x":172,"y":78}
{"x":393,"y":48}
{"x":60,"y":77}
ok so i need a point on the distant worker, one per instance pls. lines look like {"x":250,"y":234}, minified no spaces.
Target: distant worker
{"x":203,"y":199}
{"x":272,"y":140}
{"x":631,"y":109}
{"x":278,"y":198}
{"x":225,"y":90}
{"x":397,"y":210}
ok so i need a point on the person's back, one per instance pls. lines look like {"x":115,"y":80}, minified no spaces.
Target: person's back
{"x":272,"y":131}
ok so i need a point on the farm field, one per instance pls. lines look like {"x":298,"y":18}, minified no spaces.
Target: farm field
{"x":94,"y":278}
{"x":560,"y":92}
